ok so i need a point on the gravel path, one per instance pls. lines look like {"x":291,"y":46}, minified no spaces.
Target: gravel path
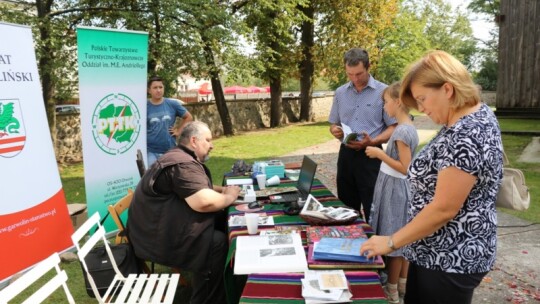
{"x":325,"y":154}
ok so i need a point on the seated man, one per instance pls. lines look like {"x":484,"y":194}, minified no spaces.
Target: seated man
{"x":175,"y":213}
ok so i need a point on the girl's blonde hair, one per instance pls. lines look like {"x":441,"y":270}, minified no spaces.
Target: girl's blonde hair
{"x":393,"y":91}
{"x":434,"y":70}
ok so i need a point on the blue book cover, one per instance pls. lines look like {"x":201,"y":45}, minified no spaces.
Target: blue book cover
{"x":340,"y":249}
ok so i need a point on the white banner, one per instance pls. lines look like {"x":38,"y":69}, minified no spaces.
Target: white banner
{"x":112,"y":91}
{"x":34,"y":219}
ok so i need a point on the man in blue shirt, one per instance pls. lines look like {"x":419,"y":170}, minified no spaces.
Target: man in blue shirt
{"x":161,"y":116}
{"x":359,"y":105}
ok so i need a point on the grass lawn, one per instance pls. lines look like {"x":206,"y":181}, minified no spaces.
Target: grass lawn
{"x":267,"y":144}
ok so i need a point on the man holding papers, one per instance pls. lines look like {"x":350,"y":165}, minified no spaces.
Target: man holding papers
{"x":358,"y":105}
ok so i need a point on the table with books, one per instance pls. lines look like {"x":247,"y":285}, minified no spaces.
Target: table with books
{"x":363,"y":280}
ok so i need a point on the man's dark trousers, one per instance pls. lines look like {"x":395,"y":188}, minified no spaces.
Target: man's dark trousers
{"x":356,"y":177}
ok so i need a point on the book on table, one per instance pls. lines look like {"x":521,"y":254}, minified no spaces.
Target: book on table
{"x":312,"y":207}
{"x":374,"y":263}
{"x":315,"y":233}
{"x":269,"y":254}
{"x":340,"y":249}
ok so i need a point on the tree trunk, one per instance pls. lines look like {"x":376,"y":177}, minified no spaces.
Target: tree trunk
{"x":44,"y":65}
{"x":217,"y":89}
{"x":221,"y":104}
{"x":275,"y":102}
{"x":307,"y":66}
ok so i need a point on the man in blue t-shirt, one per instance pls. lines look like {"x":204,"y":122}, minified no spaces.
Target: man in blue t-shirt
{"x":161,"y":116}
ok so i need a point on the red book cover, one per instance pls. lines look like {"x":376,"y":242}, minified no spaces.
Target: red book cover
{"x":315,"y":233}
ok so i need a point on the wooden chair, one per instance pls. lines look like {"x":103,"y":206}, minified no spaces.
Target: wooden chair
{"x":115,"y":211}
{"x":31,"y":276}
{"x":136,"y":288}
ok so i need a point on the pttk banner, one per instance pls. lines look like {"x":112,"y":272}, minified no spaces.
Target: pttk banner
{"x":34,"y":219}
{"x":112,"y":93}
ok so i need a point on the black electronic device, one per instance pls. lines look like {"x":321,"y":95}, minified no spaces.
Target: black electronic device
{"x":303,"y":185}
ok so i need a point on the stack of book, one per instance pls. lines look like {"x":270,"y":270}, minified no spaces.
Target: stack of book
{"x":340,"y":249}
{"x":343,"y":252}
{"x":325,"y":287}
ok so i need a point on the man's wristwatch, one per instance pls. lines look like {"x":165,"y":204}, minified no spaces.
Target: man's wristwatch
{"x":391,"y":243}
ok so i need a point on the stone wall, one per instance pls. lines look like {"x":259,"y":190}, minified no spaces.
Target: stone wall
{"x":68,"y":146}
{"x":245,"y":115}
{"x":255,"y":114}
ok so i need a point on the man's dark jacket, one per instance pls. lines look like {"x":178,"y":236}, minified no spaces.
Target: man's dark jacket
{"x":162,"y":227}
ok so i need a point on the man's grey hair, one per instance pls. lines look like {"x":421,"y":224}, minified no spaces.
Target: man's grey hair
{"x":354,"y":56}
{"x":193,"y":129}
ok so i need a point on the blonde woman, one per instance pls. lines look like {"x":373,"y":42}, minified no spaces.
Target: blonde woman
{"x":450,"y":240}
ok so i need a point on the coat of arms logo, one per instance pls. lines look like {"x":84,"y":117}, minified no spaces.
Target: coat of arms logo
{"x":12,"y":131}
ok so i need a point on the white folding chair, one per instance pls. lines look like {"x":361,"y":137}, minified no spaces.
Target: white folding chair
{"x":136,"y":288}
{"x":31,"y":276}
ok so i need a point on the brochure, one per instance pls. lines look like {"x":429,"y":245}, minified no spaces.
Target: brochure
{"x":348,"y":134}
{"x":240,"y":220}
{"x":325,"y":287}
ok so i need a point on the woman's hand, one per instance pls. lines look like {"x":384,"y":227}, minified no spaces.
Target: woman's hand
{"x":375,"y":245}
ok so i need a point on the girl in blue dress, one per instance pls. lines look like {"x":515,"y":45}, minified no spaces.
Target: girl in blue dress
{"x":392,"y":192}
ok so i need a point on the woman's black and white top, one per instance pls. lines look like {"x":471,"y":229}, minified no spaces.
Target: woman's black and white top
{"x":467,"y":244}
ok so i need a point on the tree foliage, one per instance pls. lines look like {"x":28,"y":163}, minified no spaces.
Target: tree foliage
{"x":423,"y":25}
{"x":403,"y":43}
{"x":274,"y":23}
{"x":345,"y":24}
{"x":489,"y":65}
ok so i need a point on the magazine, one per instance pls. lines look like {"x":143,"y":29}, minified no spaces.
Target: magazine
{"x":269,"y":254}
{"x":314,"y":208}
{"x":340,"y":249}
{"x":374,"y":263}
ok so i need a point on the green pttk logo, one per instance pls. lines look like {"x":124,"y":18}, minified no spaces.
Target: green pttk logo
{"x":116,"y":124}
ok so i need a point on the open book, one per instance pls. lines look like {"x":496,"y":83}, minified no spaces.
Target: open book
{"x":269,"y":254}
{"x":348,"y":134}
{"x":314,"y":208}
